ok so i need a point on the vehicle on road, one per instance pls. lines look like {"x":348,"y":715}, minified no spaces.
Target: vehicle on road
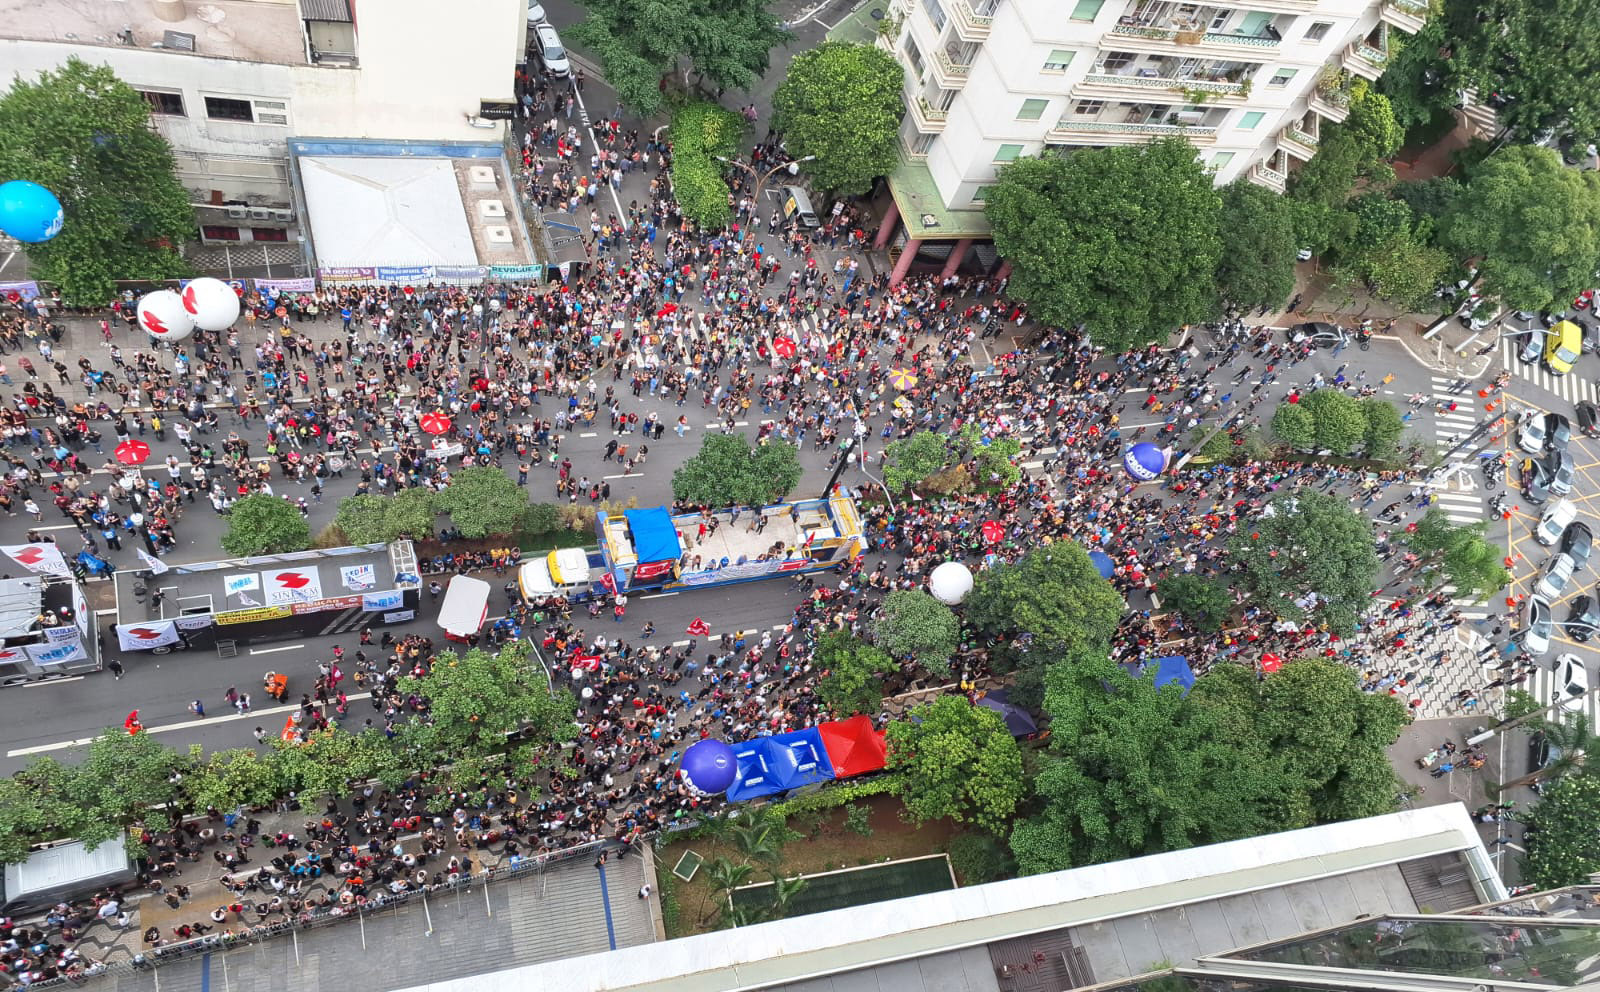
{"x":1576,"y":543}
{"x":1573,"y":678}
{"x":552,"y":54}
{"x":1536,"y":637}
{"x":1588,"y":419}
{"x":1535,"y":479}
{"x":1554,"y":522}
{"x":1557,"y":432}
{"x":1555,"y":578}
{"x":536,"y":14}
{"x":1531,"y":433}
{"x":1319,"y":334}
{"x":1532,"y":346}
{"x":1542,"y":752}
{"x":1562,"y":347}
{"x":465,"y":608}
{"x":1583,"y":619}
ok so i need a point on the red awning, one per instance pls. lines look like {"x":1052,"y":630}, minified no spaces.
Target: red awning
{"x":854,"y":746}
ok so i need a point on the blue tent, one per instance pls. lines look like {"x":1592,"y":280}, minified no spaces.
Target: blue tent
{"x":655,"y":538}
{"x":769,"y":765}
{"x":1174,"y":668}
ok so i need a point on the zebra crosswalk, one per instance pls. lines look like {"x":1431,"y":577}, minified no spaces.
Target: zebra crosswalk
{"x":1571,"y":387}
{"x":1451,"y":426}
{"x":1463,"y":508}
{"x":1542,"y":686}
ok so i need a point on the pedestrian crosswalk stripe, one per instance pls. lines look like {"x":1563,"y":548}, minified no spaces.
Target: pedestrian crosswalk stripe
{"x":1571,"y":387}
{"x":1542,"y":686}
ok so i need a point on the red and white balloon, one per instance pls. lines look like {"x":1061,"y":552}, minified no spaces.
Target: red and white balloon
{"x":211,"y":303}
{"x":162,"y":315}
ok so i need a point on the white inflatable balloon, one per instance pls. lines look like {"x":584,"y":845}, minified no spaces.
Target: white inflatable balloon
{"x":950,"y":583}
{"x":162,"y":315}
{"x":211,"y":303}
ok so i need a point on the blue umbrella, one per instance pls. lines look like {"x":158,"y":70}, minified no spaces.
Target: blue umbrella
{"x":1103,"y":564}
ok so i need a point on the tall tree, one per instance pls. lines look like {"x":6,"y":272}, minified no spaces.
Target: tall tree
{"x":908,"y":461}
{"x":86,"y":135}
{"x":1205,"y":602}
{"x":727,"y":471}
{"x":367,"y":518}
{"x":1532,"y":223}
{"x":701,"y":134}
{"x":727,"y":44}
{"x":1123,"y":240}
{"x":1457,"y":554}
{"x":852,"y":672}
{"x":1311,"y":543}
{"x":915,"y":625}
{"x":1256,"y":266}
{"x":1563,"y":842}
{"x":1053,"y":594}
{"x":956,"y":760}
{"x":843,"y":104}
{"x":260,"y":524}
{"x":1523,"y":49}
{"x":483,"y":501}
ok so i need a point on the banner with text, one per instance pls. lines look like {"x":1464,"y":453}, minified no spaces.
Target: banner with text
{"x":147,"y":635}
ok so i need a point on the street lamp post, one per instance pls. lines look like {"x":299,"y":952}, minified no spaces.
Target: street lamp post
{"x":793,"y":168}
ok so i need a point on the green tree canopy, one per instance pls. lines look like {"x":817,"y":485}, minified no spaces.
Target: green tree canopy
{"x":728,"y":471}
{"x":701,"y":133}
{"x":726,"y":43}
{"x":1054,"y":593}
{"x":483,"y":501}
{"x":86,"y":136}
{"x":1123,"y":240}
{"x":852,"y":673}
{"x":1523,"y":48}
{"x":260,"y":524}
{"x":1318,"y":192}
{"x":1372,"y":122}
{"x":1293,"y":424}
{"x":1384,"y":427}
{"x":1458,"y":554}
{"x":1339,"y":422}
{"x":1311,"y":542}
{"x":367,"y":518}
{"x":1563,"y":840}
{"x":843,"y":104}
{"x":476,"y":702}
{"x":1533,"y":224}
{"x":1256,"y":265}
{"x":915,"y":625}
{"x":908,"y":461}
{"x":956,"y":760}
{"x":1205,"y":602}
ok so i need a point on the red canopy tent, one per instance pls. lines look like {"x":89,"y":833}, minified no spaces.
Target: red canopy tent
{"x":854,"y":746}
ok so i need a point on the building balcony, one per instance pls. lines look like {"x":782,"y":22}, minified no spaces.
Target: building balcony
{"x":1331,"y":104}
{"x":1298,"y":143}
{"x":909,"y":150}
{"x":970,"y":25}
{"x":947,"y":72}
{"x":1144,"y":87}
{"x":1265,"y":175}
{"x":1406,"y":15}
{"x":928,"y":118}
{"x":1111,"y":133}
{"x":1365,"y":61}
{"x":1168,"y":40}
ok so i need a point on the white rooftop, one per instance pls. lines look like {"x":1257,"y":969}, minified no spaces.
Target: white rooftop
{"x":386,"y":211}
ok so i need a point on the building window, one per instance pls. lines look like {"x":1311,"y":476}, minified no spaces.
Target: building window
{"x":1117,"y":61}
{"x":1220,"y":160}
{"x":923,"y":144}
{"x":1087,"y":10}
{"x":935,"y":13}
{"x":1088,"y":107}
{"x":981,"y":193}
{"x":269,"y":234}
{"x":164,"y":104}
{"x":1221,"y":19}
{"x":1032,"y":110}
{"x":1058,"y":60}
{"x":221,"y":108}
{"x":1318,"y":31}
{"x":1249,"y":121}
{"x":220,"y":233}
{"x":1282,"y":77}
{"x":1008,"y":153}
{"x":914,"y":56}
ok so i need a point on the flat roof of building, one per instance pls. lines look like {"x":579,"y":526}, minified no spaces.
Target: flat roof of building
{"x":251,"y":30}
{"x":1300,"y":879}
{"x":922,"y":206}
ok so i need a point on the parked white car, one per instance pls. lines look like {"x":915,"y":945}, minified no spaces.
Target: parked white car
{"x":1555,"y":521}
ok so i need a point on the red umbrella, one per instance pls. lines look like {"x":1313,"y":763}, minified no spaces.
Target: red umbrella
{"x":1271,"y":662}
{"x":435,"y":422}
{"x":993,"y":531}
{"x":132,"y":452}
{"x":699,"y":628}
{"x":784,"y":346}
{"x":667,"y":310}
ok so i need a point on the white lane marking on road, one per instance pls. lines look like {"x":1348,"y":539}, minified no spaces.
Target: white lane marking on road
{"x":286,"y":647}
{"x":660,"y":595}
{"x":590,"y":434}
{"x":35,"y":685}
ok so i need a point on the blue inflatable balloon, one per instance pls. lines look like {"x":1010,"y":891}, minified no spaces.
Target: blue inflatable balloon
{"x":29,"y":212}
{"x":1103,"y":564}
{"x":1144,"y":461}
{"x":710,"y":766}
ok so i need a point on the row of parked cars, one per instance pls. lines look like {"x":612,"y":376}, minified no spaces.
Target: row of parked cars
{"x":1573,"y":542}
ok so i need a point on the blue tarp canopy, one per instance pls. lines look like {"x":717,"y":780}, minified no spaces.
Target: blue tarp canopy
{"x":654,"y":536}
{"x":1174,"y":668}
{"x":769,"y":765}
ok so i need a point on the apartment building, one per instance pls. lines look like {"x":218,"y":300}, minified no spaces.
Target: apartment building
{"x":1248,"y":83}
{"x":232,"y":82}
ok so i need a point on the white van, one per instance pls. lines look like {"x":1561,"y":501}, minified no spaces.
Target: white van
{"x":64,"y":872}
{"x":564,"y":572}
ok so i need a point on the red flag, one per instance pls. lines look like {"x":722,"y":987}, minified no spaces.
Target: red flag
{"x":699,"y":628}
{"x":609,"y":581}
